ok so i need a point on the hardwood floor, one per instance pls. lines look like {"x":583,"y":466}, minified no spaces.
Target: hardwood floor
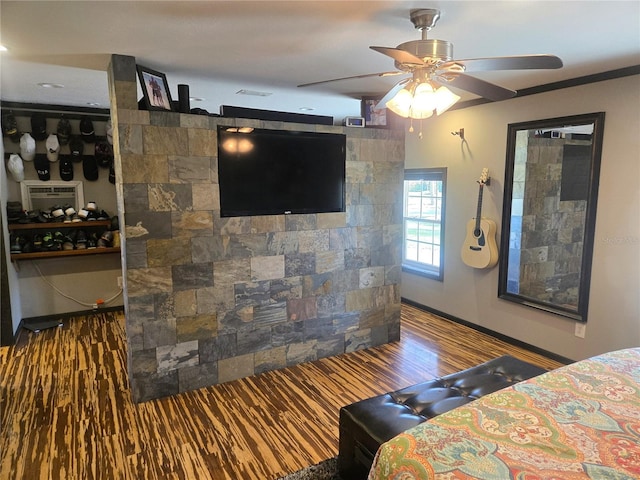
{"x":66,"y":412}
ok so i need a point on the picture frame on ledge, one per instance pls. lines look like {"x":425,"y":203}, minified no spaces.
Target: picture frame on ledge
{"x":155,"y":89}
{"x":372,"y":117}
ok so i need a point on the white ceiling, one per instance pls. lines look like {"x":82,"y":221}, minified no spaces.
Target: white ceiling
{"x":220,"y":47}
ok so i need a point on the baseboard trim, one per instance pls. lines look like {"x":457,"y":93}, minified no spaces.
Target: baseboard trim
{"x":59,"y":318}
{"x":513,"y":341}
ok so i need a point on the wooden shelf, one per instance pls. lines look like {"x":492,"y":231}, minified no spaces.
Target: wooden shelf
{"x":63,"y":253}
{"x":59,"y":225}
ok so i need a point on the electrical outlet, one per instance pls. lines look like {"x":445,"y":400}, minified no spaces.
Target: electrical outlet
{"x":119,"y":282}
{"x":581,"y":329}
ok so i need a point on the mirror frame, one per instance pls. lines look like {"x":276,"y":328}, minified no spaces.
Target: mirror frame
{"x":580,"y":312}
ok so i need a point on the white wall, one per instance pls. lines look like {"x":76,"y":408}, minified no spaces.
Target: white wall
{"x":470,"y":294}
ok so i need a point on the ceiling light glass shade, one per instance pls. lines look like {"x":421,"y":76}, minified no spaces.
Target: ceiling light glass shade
{"x":422,"y":100}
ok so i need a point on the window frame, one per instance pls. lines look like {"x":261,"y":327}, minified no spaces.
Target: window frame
{"x":414,"y":267}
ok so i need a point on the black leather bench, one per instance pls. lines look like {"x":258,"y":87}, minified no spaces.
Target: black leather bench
{"x":366,"y":424}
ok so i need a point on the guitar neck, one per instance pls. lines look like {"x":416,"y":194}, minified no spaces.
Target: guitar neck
{"x":479,"y":210}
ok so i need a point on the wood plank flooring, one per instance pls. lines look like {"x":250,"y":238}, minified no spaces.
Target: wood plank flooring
{"x":66,"y":411}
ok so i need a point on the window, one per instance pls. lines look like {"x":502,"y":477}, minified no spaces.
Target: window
{"x":423,"y":221}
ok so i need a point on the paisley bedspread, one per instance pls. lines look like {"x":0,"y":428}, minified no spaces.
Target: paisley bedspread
{"x":577,"y":422}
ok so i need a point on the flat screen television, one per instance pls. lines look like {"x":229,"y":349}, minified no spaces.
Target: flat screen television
{"x":275,"y":172}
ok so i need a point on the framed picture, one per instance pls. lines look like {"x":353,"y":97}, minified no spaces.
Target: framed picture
{"x":372,"y":117}
{"x":155,"y":89}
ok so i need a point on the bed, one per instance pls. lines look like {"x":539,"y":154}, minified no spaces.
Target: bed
{"x":581,"y":421}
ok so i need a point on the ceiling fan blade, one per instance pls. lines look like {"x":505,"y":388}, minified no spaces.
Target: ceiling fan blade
{"x":391,"y":93}
{"x":483,"y":88}
{"x":519,"y":62}
{"x":367,"y":75}
{"x":400,"y":56}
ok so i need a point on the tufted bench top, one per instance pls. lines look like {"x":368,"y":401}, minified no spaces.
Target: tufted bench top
{"x":366,"y":424}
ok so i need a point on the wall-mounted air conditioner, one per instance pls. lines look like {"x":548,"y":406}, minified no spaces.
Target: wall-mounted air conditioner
{"x":38,"y":195}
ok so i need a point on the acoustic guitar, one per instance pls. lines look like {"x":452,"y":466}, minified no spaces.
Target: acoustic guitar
{"x":479,"y":249}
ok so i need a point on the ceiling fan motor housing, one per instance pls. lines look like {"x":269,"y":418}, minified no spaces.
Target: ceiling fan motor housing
{"x":432,"y":52}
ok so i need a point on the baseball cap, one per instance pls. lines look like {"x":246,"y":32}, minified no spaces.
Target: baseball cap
{"x":90,"y":168}
{"x":16,"y":167}
{"x":38,"y":126}
{"x":42,"y":167}
{"x":66,"y":168}
{"x":10,"y":127}
{"x":53,"y":147}
{"x":27,"y":147}
{"x":64,"y":131}
{"x":86,"y":129}
{"x":76,"y":148}
{"x":104,"y":154}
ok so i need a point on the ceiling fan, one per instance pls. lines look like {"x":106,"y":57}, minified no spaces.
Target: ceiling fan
{"x":430,"y":62}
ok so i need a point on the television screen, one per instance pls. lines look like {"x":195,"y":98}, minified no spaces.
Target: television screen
{"x":270,"y":172}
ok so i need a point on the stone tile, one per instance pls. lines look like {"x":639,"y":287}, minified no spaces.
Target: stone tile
{"x":299,"y":264}
{"x":191,"y":170}
{"x":330,"y":347}
{"x":141,"y":308}
{"x":369,"y":237}
{"x":192,"y":224}
{"x":392,"y":234}
{"x":342,"y":238}
{"x":357,"y":340}
{"x":164,"y":140}
{"x":136,"y":253}
{"x":188,"y":120}
{"x":379,"y":193}
{"x":234,"y":368}
{"x":267,"y":224}
{"x":144,"y":169}
{"x":205,"y":196}
{"x":227,"y":272}
{"x":167,"y":252}
{"x":241,"y":246}
{"x":331,"y":304}
{"x":202,"y":143}
{"x":233,"y":226}
{"x":132,"y":116}
{"x":181,"y":355}
{"x":359,"y":172}
{"x":345,"y":280}
{"x":301,"y":352}
{"x":372,"y":318}
{"x":227,"y":345}
{"x":164,"y":119}
{"x":143,"y":362}
{"x":286,"y":288}
{"x":358,"y":300}
{"x":331,"y":220}
{"x":130,"y":138}
{"x":170,"y":197}
{"x":360,"y":215}
{"x":185,"y":303}
{"x":136,"y":197}
{"x":157,"y":385}
{"x":386,"y":255}
{"x":208,"y":350}
{"x":148,"y":225}
{"x":252,"y":293}
{"x":163,"y":307}
{"x":195,"y":275}
{"x":330,"y":261}
{"x":202,"y":249}
{"x":392,"y":274}
{"x":254,"y":339}
{"x":123,"y":68}
{"x":197,"y":327}
{"x":270,"y":314}
{"x":267,"y":268}
{"x":287,"y":333}
{"x":197,"y":376}
{"x":318,"y":328}
{"x":313,"y":285}
{"x":300,"y":222}
{"x":159,"y":333}
{"x":371,"y":277}
{"x":144,"y":281}
{"x":272,"y":359}
{"x":313,"y":241}
{"x":352,"y":194}
{"x":207,"y":300}
{"x":282,"y":243}
{"x":356,"y":258}
{"x":390,"y":173}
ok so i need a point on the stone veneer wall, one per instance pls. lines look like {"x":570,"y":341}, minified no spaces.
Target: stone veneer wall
{"x":211,"y":299}
{"x":552,"y":228}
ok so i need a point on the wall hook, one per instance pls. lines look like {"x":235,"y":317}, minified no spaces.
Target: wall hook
{"x":460,"y":133}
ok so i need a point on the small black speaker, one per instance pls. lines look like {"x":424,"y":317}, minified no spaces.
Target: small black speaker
{"x":183,"y":99}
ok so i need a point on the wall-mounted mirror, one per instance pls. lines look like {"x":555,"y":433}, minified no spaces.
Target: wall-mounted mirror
{"x":549,"y":213}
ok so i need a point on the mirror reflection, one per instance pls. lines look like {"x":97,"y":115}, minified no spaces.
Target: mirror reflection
{"x":551,"y":184}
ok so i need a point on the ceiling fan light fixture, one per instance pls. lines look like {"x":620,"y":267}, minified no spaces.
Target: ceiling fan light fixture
{"x":421,"y":100}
